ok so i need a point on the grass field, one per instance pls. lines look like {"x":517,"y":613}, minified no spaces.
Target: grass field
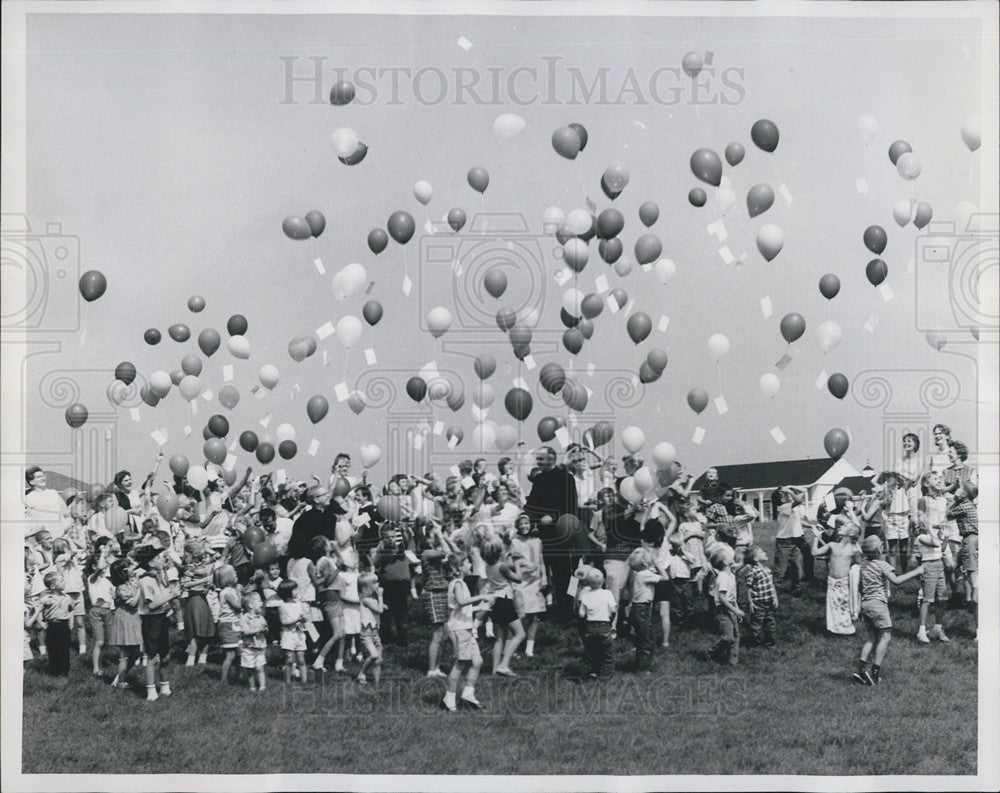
{"x":788,"y":710}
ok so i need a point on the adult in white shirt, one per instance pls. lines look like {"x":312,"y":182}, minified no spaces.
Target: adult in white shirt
{"x":789,"y":541}
{"x":44,"y":506}
{"x":911,"y":467}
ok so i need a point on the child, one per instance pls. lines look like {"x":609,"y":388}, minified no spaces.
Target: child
{"x":531,"y":570}
{"x":500,"y":576}
{"x":154,"y":607}
{"x":646,"y":573}
{"x":269,"y":581}
{"x":199,"y":626}
{"x":57,"y":612}
{"x":230,"y":605}
{"x":680,"y":579}
{"x":32,"y":619}
{"x":876,"y":575}
{"x":843,"y":553}
{"x":64,"y":559}
{"x":895,"y":519}
{"x":126,"y":626}
{"x":253,"y":629}
{"x":102,"y":598}
{"x":468,"y":659}
{"x":727,"y":613}
{"x":763,"y":598}
{"x":329,"y":585}
{"x":293,"y":614}
{"x":371,"y":609}
{"x":597,"y":608}
{"x":435,"y":601}
{"x":351,"y":597}
{"x":932,"y":582}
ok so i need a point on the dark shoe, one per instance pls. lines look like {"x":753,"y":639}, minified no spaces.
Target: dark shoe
{"x":875,"y":675}
{"x":862,"y":676}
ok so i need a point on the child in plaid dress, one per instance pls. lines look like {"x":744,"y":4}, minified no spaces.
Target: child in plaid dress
{"x":371,"y":608}
{"x":763,"y":598}
{"x":253,"y":630}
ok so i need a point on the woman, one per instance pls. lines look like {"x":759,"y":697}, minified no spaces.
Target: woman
{"x":43,"y":505}
{"x":911,"y":467}
{"x":939,"y":457}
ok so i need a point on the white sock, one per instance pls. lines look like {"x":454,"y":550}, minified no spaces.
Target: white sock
{"x":165,"y":688}
{"x":449,"y":698}
{"x":529,"y":647}
{"x":468,"y":692}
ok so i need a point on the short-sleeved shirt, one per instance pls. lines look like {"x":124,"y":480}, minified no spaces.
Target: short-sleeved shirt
{"x":56,"y":606}
{"x":642,"y":586}
{"x":789,"y":521}
{"x":150,"y":589}
{"x":875,"y":581}
{"x":101,"y":592}
{"x":725,"y":584}
{"x":598,"y":604}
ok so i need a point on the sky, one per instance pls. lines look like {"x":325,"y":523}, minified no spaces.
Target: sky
{"x":171,"y":147}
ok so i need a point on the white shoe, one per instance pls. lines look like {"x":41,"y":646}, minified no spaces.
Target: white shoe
{"x":203,"y":658}
{"x":436,"y":673}
{"x":165,"y":690}
{"x":922,"y":635}
{"x":151,"y":695}
{"x":939,"y":634}
{"x":190,"y":661}
{"x":319,"y":664}
{"x":338,"y":666}
{"x":362,"y":679}
{"x":529,"y":653}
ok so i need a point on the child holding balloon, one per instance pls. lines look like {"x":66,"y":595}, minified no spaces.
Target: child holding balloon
{"x":230,"y":606}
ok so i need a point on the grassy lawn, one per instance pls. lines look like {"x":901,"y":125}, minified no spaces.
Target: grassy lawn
{"x":788,"y":710}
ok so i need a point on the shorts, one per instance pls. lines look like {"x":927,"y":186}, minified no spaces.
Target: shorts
{"x":332,"y":607}
{"x":932,"y":582}
{"x":352,"y":620}
{"x":79,"y":609}
{"x":369,"y":633}
{"x":252,"y":657}
{"x":662,"y":591}
{"x":293,"y":641}
{"x":968,"y":557}
{"x":229,"y":636}
{"x":156,"y":636}
{"x":503,"y":612}
{"x":896,"y":525}
{"x":875,"y":614}
{"x":464,"y":642}
{"x":100,"y":622}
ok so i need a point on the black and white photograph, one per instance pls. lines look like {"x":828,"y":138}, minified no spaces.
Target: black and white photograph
{"x":500,"y":396}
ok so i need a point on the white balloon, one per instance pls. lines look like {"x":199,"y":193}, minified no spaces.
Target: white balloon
{"x":423,"y":191}
{"x":632,"y":439}
{"x":725,"y":199}
{"x":285,"y":432}
{"x":902,"y":211}
{"x":268,"y":375}
{"x":344,"y":141}
{"x":530,"y":317}
{"x":664,"y":455}
{"x":552,"y":219}
{"x":438,"y":321}
{"x":370,"y":454}
{"x":239,"y":347}
{"x":576,"y":253}
{"x":484,"y":437}
{"x":972,"y":133}
{"x":190,"y":387}
{"x":725,"y":181}
{"x":770,"y":241}
{"x":349,"y":330}
{"x":572,"y":298}
{"x":579,"y":221}
{"x":629,"y":491}
{"x":197,"y":477}
{"x":829,"y":334}
{"x":644,"y":480}
{"x":718,"y":346}
{"x":868,"y":127}
{"x":665,"y":270}
{"x":506,"y":437}
{"x":770,"y":384}
{"x":483,"y":395}
{"x":508,"y":125}
{"x":908,"y":165}
{"x":349,"y":281}
{"x":159,"y":383}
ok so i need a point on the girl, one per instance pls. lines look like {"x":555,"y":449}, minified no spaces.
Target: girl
{"x":352,"y":610}
{"x":294,"y":616}
{"x":371,"y":609}
{"x":154,"y":607}
{"x":654,"y":540}
{"x":230,"y":606}
{"x":102,"y":597}
{"x":500,"y":575}
{"x":329,"y":586}
{"x":435,"y":600}
{"x":895,"y":509}
{"x":645,"y":574}
{"x":97,"y":525}
{"x":680,"y":581}
{"x":126,"y":626}
{"x":932,"y":582}
{"x":468,"y":659}
{"x":531,"y":570}
{"x":302,"y":571}
{"x":199,"y":627}
{"x":253,"y":629}
{"x":64,"y":560}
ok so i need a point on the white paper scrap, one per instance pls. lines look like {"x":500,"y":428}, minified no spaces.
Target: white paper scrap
{"x":778,"y":435}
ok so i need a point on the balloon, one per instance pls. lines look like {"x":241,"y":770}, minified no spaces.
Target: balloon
{"x":518,"y":403}
{"x":898,"y":149}
{"x":868,"y":127}
{"x":837,"y":385}
{"x":372,"y":312}
{"x":167,"y":505}
{"x":875,"y":239}
{"x":829,"y":286}
{"x":218,"y":425}
{"x":620,"y":296}
{"x":179,"y":465}
{"x":506,"y":319}
{"x":792,"y":327}
{"x":697,"y":197}
{"x":664,"y":455}
{"x":206,"y":433}
{"x":586,"y":327}
{"x":908,"y":165}
{"x":416,"y":387}
{"x":478,"y":179}
{"x":902,"y":211}
{"x":268,"y":375}
{"x":769,"y":384}
{"x":370,"y":454}
{"x":718,"y":346}
{"x":285,"y":432}
{"x":316,"y":408}
{"x":342,"y":93}
{"x":760,"y":197}
{"x":215,"y":450}
{"x":159,"y":383}
{"x":125,"y":372}
{"x":614,"y":180}
{"x":735,"y":153}
{"x":287,"y":449}
{"x":196,"y":304}
{"x":423,"y":191}
{"x":633,"y":439}
{"x":770,"y":241}
{"x":579,"y":221}
{"x":506,"y":437}
{"x":582,"y":132}
{"x":566,"y":142}
{"x":438,"y":321}
{"x":76,"y":415}
{"x":253,"y":536}
{"x":573,"y":340}
{"x":484,"y":436}
{"x":349,"y":281}
{"x":191,"y":364}
{"x":349,"y":330}
{"x":264,"y":555}
{"x":356,"y":402}
{"x":237,"y":325}
{"x":564,"y":233}
{"x":936,"y":340}
{"x":692,"y":63}
{"x":639,"y":326}
{"x":401,"y":226}
{"x":265,"y":453}
{"x":508,"y":126}
{"x":151,"y":336}
{"x":248,"y":440}
{"x":575,"y":254}
{"x":572,"y":300}
{"x":296,"y":228}
{"x":649,"y":212}
{"x":657,"y":360}
{"x":485,"y":365}
{"x":316,"y":221}
{"x":764,"y":134}
{"x":629,"y":491}
{"x":495,"y":282}
{"x":552,"y":218}
{"x":697,"y":399}
{"x":483,"y":395}
{"x":179,"y":332}
{"x":197,"y":477}
{"x":575,"y":396}
{"x":190,"y":387}
{"x":836,"y":442}
{"x":344,"y":141}
{"x":648,"y":248}
{"x":644,"y":480}
{"x":377,"y":240}
{"x":602,"y":432}
{"x":454,"y":435}
{"x":238,"y":347}
{"x":972,"y":133}
{"x":591,"y":306}
{"x":610,"y":223}
{"x":147,"y":395}
{"x":829,"y":335}
{"x":93,"y":284}
{"x":876,"y":271}
{"x":923,"y":214}
{"x":706,"y":165}
{"x":209,"y":341}
{"x":610,"y":250}
{"x":552,"y":377}
{"x":298,"y":349}
{"x":456,"y":219}
{"x":547,"y":429}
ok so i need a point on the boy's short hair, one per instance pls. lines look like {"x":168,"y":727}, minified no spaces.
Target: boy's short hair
{"x":224,"y":576}
{"x":756,"y":554}
{"x":491,"y":550}
{"x":594,"y":578}
{"x":51,"y":577}
{"x":640,"y":559}
{"x":722,"y":556}
{"x":871,"y":546}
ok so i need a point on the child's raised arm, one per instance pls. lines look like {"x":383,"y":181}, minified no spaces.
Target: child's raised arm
{"x":818,"y":546}
{"x":899,"y":579}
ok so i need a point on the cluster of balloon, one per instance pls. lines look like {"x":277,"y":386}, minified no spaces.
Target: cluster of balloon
{"x":342,"y":93}
{"x":570,"y":140}
{"x":836,"y":442}
{"x":478,"y":179}
{"x":304,"y":228}
{"x":792,"y":327}
{"x":301,"y":347}
{"x":837,"y":385}
{"x":697,"y":399}
{"x":347,"y":147}
{"x":93,"y":284}
{"x":901,"y":155}
{"x":76,"y":415}
{"x":400,"y":226}
{"x":548,"y":427}
{"x":652,"y":368}
{"x":829,"y":286}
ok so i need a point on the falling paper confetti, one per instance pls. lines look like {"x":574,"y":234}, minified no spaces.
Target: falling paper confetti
{"x":699,"y":435}
{"x":601,"y":284}
{"x":664,"y":322}
{"x":718,"y":230}
{"x":407,"y":285}
{"x":726,"y":254}
{"x":778,"y":435}
{"x":765,"y":307}
{"x":464,"y":43}
{"x":160,"y":436}
{"x":562,"y":276}
{"x":313,"y":447}
{"x":862,"y":185}
{"x":871,"y":324}
{"x":370,"y":356}
{"x":782,"y":362}
{"x":324,"y":330}
{"x":529,"y":362}
{"x":785,"y":193}
{"x":341,"y":391}
{"x":438,"y":427}
{"x":562,"y":435}
{"x":821,"y":380}
{"x":227,"y":373}
{"x":720,"y":405}
{"x":886,"y":291}
{"x":319,"y":266}
{"x":134,"y":414}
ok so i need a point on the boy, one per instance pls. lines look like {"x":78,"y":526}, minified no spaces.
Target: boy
{"x":646,"y":572}
{"x":468,"y":659}
{"x":876,"y":575}
{"x":727,"y":613}
{"x":57,"y":613}
{"x":763,"y":599}
{"x":597,"y":608}
{"x":843,"y":554}
{"x":932,"y":582}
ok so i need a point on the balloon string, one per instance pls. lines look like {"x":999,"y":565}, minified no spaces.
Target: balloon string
{"x":579,"y":176}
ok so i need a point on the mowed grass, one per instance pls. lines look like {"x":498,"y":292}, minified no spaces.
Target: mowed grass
{"x":789,"y":710}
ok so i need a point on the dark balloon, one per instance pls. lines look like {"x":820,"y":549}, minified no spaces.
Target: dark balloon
{"x":356,"y":156}
{"x":586,"y":327}
{"x":563,"y":234}
{"x":657,"y":359}
{"x":377,"y":240}
{"x":836,"y":442}
{"x":838,"y":385}
{"x":610,"y":223}
{"x":573,"y":340}
{"x":92,"y":285}
{"x":875,"y":239}
{"x":876,"y":271}
{"x":647,"y":374}
{"x":342,"y":93}
{"x":591,"y":306}
{"x":582,"y":132}
{"x":196,"y":304}
{"x":764,"y":134}
{"x":401,"y":226}
{"x":735,"y":153}
{"x":547,"y":428}
{"x":416,"y":387}
{"x":706,"y":165}
{"x":485,"y":365}
{"x":568,"y":319}
{"x":248,"y":440}
{"x":506,"y":319}
{"x":287,"y":449}
{"x":152,"y":336}
{"x":648,"y":213}
{"x":125,"y":372}
{"x":76,"y":415}
{"x":898,"y":149}
{"x":372,"y":312}
{"x":552,"y":377}
{"x":219,"y":426}
{"x":518,"y":403}
{"x":456,"y":219}
{"x":316,"y":221}
{"x":610,"y":250}
{"x":697,"y":197}
{"x":147,"y":395}
{"x":265,"y":453}
{"x":209,"y":341}
{"x":179,"y":332}
{"x":829,"y":286}
{"x":237,"y":325}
